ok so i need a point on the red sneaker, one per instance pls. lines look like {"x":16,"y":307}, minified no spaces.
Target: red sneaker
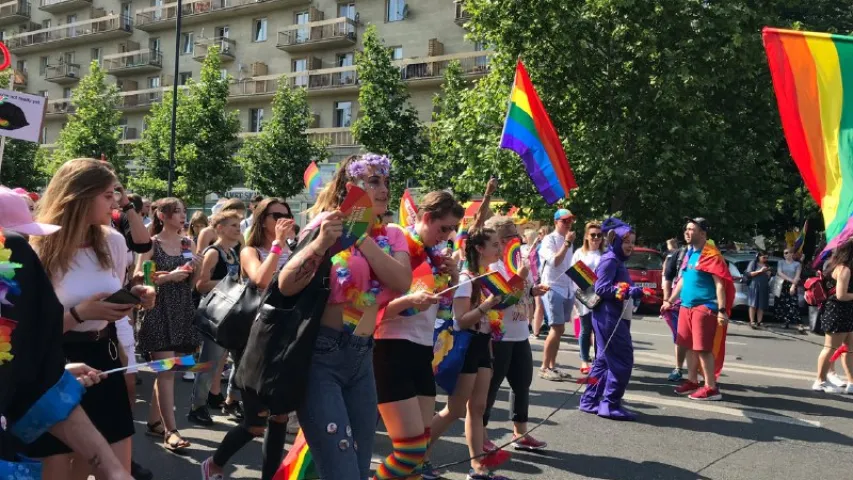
{"x":686,"y":388}
{"x":495,"y":459}
{"x":489,"y":446}
{"x":526,"y":442}
{"x":706,"y":394}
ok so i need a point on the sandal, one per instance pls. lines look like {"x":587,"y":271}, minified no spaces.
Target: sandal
{"x":155,"y":429}
{"x":585,"y":370}
{"x":175,"y":446}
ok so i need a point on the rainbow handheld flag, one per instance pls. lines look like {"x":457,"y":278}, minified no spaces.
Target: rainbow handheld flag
{"x":528,"y":131}
{"x":511,"y":289}
{"x":813,"y":77}
{"x":408,"y":210}
{"x":358,"y":217}
{"x":512,"y":256}
{"x":422,"y":279}
{"x":461,"y":238}
{"x":299,"y":463}
{"x":582,"y":275}
{"x":197,"y":368}
{"x":167,"y":364}
{"x":312,"y":180}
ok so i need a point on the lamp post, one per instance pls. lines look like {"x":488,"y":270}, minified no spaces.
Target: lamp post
{"x":174,"y":100}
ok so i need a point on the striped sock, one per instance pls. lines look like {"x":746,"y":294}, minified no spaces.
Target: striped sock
{"x":408,"y":454}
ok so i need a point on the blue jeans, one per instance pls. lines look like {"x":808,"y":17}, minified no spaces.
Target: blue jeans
{"x":585,"y":339}
{"x":338,"y":416}
{"x":210,"y":351}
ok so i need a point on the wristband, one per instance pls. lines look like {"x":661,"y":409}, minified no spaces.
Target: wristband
{"x":276,"y":249}
{"x":361,"y":240}
{"x":76,"y":315}
{"x":127,"y":207}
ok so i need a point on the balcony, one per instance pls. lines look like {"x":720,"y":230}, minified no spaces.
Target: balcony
{"x":59,"y":6}
{"x":333,"y":33}
{"x":59,"y":107}
{"x":162,"y":17}
{"x":332,"y":137}
{"x":258,"y":88}
{"x":20,"y":79}
{"x":227,"y":49}
{"x":429,"y":71}
{"x":317,"y":82}
{"x":14,"y":12}
{"x":63,"y":74}
{"x":128,"y":133}
{"x":133,"y":63}
{"x":97,"y":29}
{"x":462,"y":16}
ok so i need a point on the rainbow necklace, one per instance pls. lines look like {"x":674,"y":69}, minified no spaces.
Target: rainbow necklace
{"x":8,"y":285}
{"x":357,"y":300}
{"x":419,"y":253}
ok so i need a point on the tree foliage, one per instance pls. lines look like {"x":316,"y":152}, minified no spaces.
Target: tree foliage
{"x":205,"y":140}
{"x":387,"y":123}
{"x":665,"y":109}
{"x":93,"y":130}
{"x":444,"y":165}
{"x":273,"y":162}
{"x":19,"y":168}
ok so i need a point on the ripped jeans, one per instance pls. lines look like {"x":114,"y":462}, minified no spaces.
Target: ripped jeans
{"x":338,"y":416}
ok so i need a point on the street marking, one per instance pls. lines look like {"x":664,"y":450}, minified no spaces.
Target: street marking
{"x":786,"y":373}
{"x":728,"y":342}
{"x":708,"y":407}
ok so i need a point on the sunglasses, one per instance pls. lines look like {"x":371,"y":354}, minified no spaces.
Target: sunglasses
{"x":279,"y":215}
{"x":594,"y":235}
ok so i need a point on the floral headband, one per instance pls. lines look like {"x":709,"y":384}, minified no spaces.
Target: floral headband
{"x":381,"y":165}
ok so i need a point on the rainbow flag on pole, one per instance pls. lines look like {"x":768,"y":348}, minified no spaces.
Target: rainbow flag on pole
{"x":312,"y":180}
{"x":528,"y":131}
{"x":813,"y":79}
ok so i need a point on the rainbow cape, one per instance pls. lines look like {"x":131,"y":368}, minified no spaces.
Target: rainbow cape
{"x":298,"y":464}
{"x":712,"y":261}
{"x":528,"y":131}
{"x":813,"y":79}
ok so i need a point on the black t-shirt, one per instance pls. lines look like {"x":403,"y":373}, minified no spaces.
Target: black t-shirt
{"x":673,"y":262}
{"x":122,"y":224}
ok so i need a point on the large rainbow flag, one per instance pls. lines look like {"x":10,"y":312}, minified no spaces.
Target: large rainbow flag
{"x":813,"y":78}
{"x":528,"y":131}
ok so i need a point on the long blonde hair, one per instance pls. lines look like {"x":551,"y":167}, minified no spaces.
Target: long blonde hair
{"x":67,"y":202}
{"x":589,"y":226}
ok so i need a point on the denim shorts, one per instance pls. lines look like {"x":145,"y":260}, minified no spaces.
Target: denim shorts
{"x":558,"y":309}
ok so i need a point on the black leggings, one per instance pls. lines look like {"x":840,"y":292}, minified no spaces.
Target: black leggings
{"x":513,"y":361}
{"x":239,"y":436}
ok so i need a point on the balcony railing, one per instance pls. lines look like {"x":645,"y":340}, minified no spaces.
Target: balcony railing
{"x":137,"y":61}
{"x":333,"y":33}
{"x":227,"y":48}
{"x":433,"y":68}
{"x":64,"y":73}
{"x":60,"y":107}
{"x":58,"y":6}
{"x":334,"y":137}
{"x":195,"y":11}
{"x":108,"y":26}
{"x":462,"y":16}
{"x":13,"y":12}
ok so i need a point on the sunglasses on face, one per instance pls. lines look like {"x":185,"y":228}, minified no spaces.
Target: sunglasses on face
{"x":594,"y":235}
{"x":279,"y":215}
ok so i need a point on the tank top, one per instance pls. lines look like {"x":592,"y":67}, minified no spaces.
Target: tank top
{"x":224,"y":268}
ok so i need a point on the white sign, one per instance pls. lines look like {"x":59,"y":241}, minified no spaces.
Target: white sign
{"x":21,"y":115}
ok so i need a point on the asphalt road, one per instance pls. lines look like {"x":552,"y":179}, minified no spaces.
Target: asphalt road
{"x":769,"y":424}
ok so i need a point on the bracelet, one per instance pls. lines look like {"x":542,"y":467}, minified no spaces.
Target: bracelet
{"x":361,"y":240}
{"x":276,"y":249}
{"x":76,"y":315}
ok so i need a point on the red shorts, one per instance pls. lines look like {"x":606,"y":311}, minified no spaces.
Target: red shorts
{"x":697,"y":327}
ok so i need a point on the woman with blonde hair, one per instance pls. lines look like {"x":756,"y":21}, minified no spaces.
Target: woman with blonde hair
{"x":86,"y":261}
{"x":589,"y":254}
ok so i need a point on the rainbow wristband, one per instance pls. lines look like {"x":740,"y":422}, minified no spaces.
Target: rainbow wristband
{"x":361,"y":240}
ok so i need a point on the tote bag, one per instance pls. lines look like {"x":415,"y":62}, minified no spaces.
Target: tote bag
{"x":450,"y":347}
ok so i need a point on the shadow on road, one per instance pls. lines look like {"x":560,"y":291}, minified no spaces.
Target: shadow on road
{"x":598,"y":466}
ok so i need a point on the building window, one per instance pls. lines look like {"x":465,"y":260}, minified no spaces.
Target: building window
{"x":256,"y":119}
{"x":66,"y":92}
{"x":223,"y":74}
{"x":45,"y":23}
{"x":97,"y":54}
{"x":343,"y":114}
{"x":184,"y":77}
{"x":153,"y":82}
{"x":42,"y":65}
{"x":43,"y":93}
{"x":22,"y":66}
{"x":346,"y":10}
{"x":187,"y":44}
{"x":346,"y":60}
{"x":396,"y":53}
{"x":43,"y":134}
{"x":299,"y":65}
{"x":154,"y":44}
{"x":302,"y":33}
{"x":2,"y":35}
{"x":260,"y":31}
{"x":396,"y":10}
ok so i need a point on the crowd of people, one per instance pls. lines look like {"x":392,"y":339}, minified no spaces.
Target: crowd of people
{"x":372,"y":351}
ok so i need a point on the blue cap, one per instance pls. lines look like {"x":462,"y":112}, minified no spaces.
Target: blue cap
{"x":563,"y":213}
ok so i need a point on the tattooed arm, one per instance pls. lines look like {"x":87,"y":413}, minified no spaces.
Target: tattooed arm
{"x":83,"y":438}
{"x":300,"y":269}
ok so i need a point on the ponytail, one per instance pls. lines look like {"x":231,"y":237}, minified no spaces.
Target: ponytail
{"x":476,"y":239}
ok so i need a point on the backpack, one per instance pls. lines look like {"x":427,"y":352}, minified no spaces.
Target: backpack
{"x":816,"y":292}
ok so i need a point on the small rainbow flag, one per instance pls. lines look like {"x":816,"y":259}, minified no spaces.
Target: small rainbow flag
{"x":582,"y":275}
{"x":511,"y":289}
{"x":801,"y":240}
{"x":512,"y":256}
{"x":358,"y":217}
{"x":528,"y":131}
{"x":197,"y":368}
{"x":408,"y":210}
{"x":423,"y":279}
{"x":299,"y":463}
{"x":312,"y":179}
{"x":167,"y":364}
{"x":461,"y":238}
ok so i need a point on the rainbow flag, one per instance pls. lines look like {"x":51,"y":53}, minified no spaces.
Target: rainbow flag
{"x":167,"y":364}
{"x":422,"y":279}
{"x":298,"y":464}
{"x":511,"y":289}
{"x":582,"y":275}
{"x":512,"y":256}
{"x":801,"y":240}
{"x":461,"y":238}
{"x":357,"y":209}
{"x":197,"y":368}
{"x":408,"y":210}
{"x":813,"y":79}
{"x":312,"y":179}
{"x":528,"y":131}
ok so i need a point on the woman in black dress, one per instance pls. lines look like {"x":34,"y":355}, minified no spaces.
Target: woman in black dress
{"x":837,"y":317}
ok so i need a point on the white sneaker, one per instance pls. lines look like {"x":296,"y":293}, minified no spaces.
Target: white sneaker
{"x":205,"y":471}
{"x":834,"y":379}
{"x":849,"y":389}
{"x":292,"y":424}
{"x":189,"y":376}
{"x":825,"y":387}
{"x":550,"y":374}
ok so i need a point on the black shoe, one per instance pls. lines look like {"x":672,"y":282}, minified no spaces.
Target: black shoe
{"x":200,"y":416}
{"x":138,"y":472}
{"x":234,"y":410}
{"x":215,"y":401}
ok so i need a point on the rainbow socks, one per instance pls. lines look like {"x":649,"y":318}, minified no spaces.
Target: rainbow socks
{"x":407,"y":456}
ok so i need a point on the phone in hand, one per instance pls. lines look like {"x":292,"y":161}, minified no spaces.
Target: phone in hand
{"x":123,"y":297}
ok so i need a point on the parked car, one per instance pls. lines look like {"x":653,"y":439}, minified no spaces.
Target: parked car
{"x":738,"y":264}
{"x":646,"y":270}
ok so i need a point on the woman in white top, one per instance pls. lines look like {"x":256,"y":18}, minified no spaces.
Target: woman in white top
{"x":86,"y":262}
{"x":590,"y":254}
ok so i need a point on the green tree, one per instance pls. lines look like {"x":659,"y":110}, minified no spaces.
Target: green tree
{"x":19,"y":168}
{"x":663,"y":112}
{"x":444,"y":158}
{"x":206,"y":140}
{"x":273,"y":162}
{"x":93,"y":129}
{"x":387,"y":123}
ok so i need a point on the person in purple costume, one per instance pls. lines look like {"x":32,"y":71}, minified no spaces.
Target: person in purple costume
{"x":611,"y":321}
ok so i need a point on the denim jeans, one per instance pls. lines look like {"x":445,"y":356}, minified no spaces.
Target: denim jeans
{"x":210,"y":352}
{"x":338,"y":416}
{"x":585,"y":339}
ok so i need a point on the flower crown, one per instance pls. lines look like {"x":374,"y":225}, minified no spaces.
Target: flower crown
{"x":380,"y":163}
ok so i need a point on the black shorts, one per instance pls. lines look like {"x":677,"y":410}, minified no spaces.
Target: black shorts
{"x":403,"y":370}
{"x":479,"y":353}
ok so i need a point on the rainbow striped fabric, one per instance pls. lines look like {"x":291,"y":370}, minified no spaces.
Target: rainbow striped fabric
{"x":312,"y":179}
{"x":408,"y":210}
{"x":511,"y":289}
{"x":582,"y":275}
{"x":813,"y":79}
{"x":299,"y":463}
{"x":528,"y":131}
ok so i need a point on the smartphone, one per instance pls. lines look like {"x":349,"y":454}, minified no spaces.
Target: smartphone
{"x":123,"y":297}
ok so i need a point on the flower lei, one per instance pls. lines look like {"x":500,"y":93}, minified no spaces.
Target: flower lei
{"x":622,"y":290}
{"x":419,"y":253}
{"x":496,"y":317}
{"x":360,"y":300}
{"x":7,"y":285}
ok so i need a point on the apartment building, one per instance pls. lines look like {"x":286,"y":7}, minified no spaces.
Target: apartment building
{"x":310,"y":43}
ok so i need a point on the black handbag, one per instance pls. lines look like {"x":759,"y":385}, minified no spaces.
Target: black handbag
{"x":277,"y":358}
{"x":226,"y":313}
{"x":588,"y":297}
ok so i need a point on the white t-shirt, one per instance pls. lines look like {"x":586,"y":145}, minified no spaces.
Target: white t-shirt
{"x":417,"y":328}
{"x":515,"y":317}
{"x":591,"y":259}
{"x":555,"y":275}
{"x":464,"y":291}
{"x":87,"y":278}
